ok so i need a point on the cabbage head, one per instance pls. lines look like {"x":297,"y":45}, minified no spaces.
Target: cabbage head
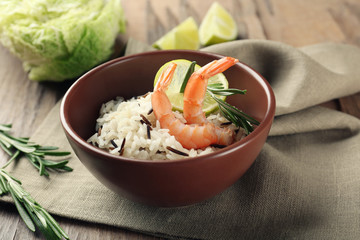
{"x":60,"y":39}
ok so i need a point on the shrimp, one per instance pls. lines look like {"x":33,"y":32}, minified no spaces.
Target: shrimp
{"x":190,"y":136}
{"x":196,"y":88}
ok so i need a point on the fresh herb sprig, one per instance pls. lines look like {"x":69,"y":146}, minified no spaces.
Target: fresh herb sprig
{"x":16,"y":146}
{"x":29,"y":210}
{"x":231,"y":113}
{"x":34,"y":215}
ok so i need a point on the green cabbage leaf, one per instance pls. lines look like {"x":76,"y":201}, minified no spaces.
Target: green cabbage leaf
{"x":60,"y":39}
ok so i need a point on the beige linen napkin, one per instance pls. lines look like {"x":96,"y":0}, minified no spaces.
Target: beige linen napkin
{"x":305,"y":184}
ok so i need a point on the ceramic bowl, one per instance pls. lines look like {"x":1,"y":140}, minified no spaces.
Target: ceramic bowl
{"x":163,"y":183}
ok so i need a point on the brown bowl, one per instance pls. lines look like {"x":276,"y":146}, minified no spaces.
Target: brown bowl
{"x":163,"y":183}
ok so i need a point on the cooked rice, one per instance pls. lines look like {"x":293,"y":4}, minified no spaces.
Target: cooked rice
{"x":121,"y":120}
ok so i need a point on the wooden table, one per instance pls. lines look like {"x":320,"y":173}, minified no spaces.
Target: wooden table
{"x":296,"y":22}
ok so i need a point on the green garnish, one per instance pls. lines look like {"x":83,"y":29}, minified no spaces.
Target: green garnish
{"x":29,"y":210}
{"x":231,"y":113}
{"x":35,"y":153}
{"x":187,"y":76}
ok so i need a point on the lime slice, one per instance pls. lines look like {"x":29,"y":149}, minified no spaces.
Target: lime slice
{"x":177,"y":98}
{"x":217,"y":26}
{"x":183,"y":36}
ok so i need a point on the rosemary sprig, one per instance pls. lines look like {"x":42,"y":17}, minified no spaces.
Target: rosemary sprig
{"x":29,"y":210}
{"x":231,"y":113}
{"x":16,"y":146}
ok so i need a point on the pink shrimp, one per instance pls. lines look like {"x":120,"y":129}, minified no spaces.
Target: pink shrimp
{"x":190,"y":136}
{"x":196,"y":88}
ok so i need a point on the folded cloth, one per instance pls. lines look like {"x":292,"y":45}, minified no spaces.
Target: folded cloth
{"x":305,"y":184}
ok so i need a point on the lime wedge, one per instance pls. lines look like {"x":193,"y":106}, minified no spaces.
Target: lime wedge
{"x":217,"y":26}
{"x":183,"y":36}
{"x":177,"y":98}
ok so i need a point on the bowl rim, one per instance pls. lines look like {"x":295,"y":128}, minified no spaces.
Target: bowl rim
{"x":70,"y":132}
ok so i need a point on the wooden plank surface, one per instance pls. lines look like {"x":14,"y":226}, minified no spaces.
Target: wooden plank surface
{"x":297,"y":22}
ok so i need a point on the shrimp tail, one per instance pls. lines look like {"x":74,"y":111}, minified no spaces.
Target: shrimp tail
{"x":162,"y":106}
{"x":217,"y":66}
{"x":196,"y":88}
{"x":165,"y":77}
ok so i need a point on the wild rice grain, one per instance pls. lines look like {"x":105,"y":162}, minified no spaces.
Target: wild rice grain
{"x":218,"y":145}
{"x":121,"y":151}
{"x":177,"y":151}
{"x":148,"y":128}
{"x":145,"y":120}
{"x":145,"y":95}
{"x":113,"y":143}
{"x":225,"y":123}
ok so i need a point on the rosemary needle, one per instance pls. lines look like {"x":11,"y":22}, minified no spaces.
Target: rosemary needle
{"x":187,"y":76}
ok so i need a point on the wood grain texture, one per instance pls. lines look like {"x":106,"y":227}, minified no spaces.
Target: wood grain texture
{"x":298,"y":22}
